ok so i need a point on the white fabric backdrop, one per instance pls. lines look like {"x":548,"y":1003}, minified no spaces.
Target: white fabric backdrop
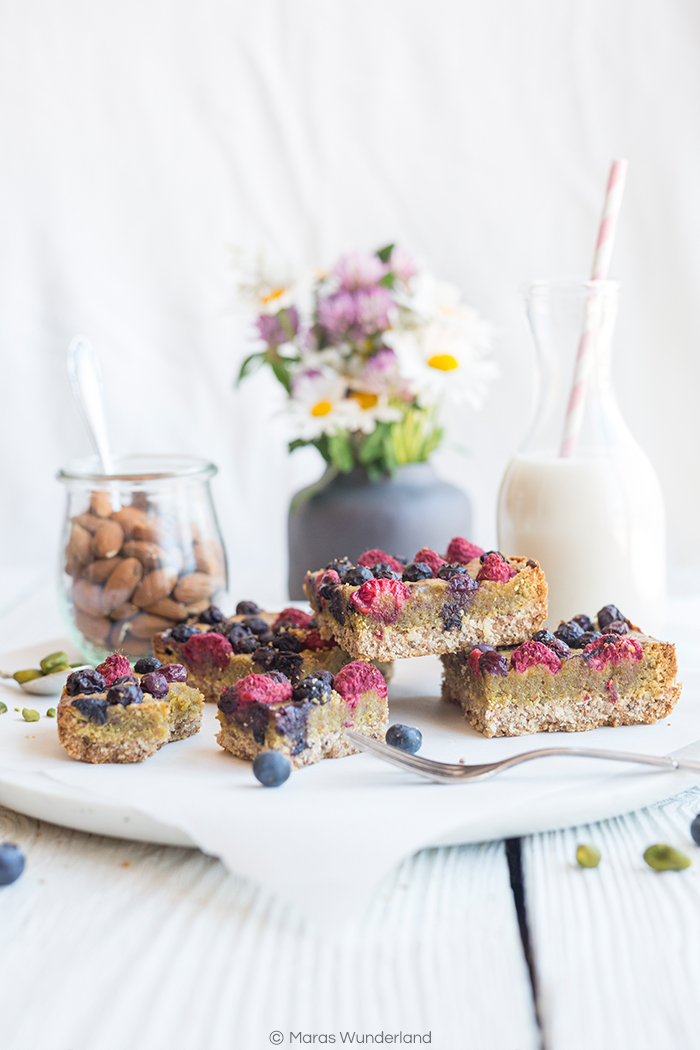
{"x":142,"y":139}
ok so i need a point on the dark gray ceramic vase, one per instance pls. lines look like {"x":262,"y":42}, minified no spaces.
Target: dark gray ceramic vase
{"x":400,"y":514}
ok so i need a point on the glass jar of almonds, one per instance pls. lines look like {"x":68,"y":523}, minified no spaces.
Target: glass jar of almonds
{"x":141,"y":551}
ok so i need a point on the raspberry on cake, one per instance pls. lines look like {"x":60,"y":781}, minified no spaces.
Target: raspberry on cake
{"x":102,"y":718}
{"x":569,"y":680}
{"x":218,"y":650}
{"x":305,"y":720}
{"x":434,"y":604}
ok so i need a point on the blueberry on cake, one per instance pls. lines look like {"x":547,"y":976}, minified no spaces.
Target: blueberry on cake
{"x":114,"y":714}
{"x":582,"y":675}
{"x":305,"y":719}
{"x":383,"y":609}
{"x":218,"y":650}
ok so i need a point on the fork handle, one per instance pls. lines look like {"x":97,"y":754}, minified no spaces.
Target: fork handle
{"x":664,"y":761}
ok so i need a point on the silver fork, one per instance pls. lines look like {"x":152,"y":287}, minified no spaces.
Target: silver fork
{"x":450,"y":773}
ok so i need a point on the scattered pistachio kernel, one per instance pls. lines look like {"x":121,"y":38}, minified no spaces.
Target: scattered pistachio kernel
{"x":51,"y":713}
{"x":30,"y":715}
{"x":3,"y":708}
{"x":27,"y":676}
{"x":588,"y":856}
{"x":53,"y":661}
{"x":666,"y":858}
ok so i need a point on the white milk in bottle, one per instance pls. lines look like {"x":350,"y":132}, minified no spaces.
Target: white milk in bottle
{"x":594,"y":520}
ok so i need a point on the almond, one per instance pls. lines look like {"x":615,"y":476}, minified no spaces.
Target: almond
{"x":150,"y":530}
{"x":79,"y":546}
{"x":101,"y":504}
{"x":145,"y":626}
{"x":122,"y":583}
{"x":128,"y":518}
{"x":168,"y":608}
{"x":124,"y":612}
{"x":197,"y":607}
{"x":96,"y":628}
{"x":88,"y":521}
{"x":194,"y":587}
{"x":108,"y":540}
{"x":88,"y":597}
{"x":100,"y":571}
{"x":154,"y":586}
{"x":149,"y":554}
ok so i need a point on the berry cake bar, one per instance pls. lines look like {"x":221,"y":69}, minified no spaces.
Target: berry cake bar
{"x":306,"y":720}
{"x":383,"y":609}
{"x":577,"y":678}
{"x":114,"y":714}
{"x":218,"y":650}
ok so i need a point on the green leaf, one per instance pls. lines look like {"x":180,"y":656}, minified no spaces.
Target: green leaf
{"x":251,"y":364}
{"x":340,"y":452}
{"x":279,"y":367}
{"x":388,"y":280}
{"x":385,"y":253}
{"x":373,"y":445}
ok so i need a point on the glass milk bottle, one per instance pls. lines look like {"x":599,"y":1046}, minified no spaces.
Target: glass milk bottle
{"x":593,"y":518}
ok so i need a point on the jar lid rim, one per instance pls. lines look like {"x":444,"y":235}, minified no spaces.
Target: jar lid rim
{"x":138,"y":468}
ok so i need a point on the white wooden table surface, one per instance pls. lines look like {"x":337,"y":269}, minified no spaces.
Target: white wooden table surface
{"x":113,"y":945}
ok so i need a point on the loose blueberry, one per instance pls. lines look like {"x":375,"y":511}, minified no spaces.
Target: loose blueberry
{"x":271,"y":768}
{"x":568,"y":633}
{"x":146,"y":664}
{"x":87,"y":681}
{"x":584,"y":622}
{"x":181,"y":632}
{"x":357,"y":576}
{"x":11,"y":863}
{"x":128,"y":692}
{"x":607,"y":614}
{"x":695,"y":829}
{"x":247,"y":609}
{"x":418,"y":570}
{"x":211,"y":616}
{"x":405,"y":738}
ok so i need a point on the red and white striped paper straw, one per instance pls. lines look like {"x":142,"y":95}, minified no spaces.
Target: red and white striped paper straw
{"x":601,"y":269}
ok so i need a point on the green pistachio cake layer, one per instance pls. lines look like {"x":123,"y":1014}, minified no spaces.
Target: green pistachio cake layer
{"x":389,"y":620}
{"x":129,"y":734}
{"x":627,"y":681}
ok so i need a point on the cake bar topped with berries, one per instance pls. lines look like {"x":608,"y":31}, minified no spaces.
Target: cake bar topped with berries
{"x":114,"y":714}
{"x":306,"y":719}
{"x":217,"y":650}
{"x":383,"y":609}
{"x":580,"y":676}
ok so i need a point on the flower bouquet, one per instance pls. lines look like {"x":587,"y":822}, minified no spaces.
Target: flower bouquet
{"x":367,"y":353}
